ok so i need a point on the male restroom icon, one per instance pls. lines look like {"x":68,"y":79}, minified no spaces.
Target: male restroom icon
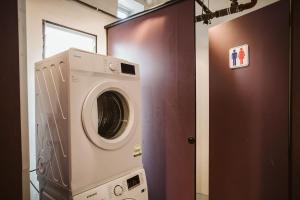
{"x":234,"y":57}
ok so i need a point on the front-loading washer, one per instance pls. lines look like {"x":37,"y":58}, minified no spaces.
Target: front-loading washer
{"x":88,"y":128}
{"x":132,"y":186}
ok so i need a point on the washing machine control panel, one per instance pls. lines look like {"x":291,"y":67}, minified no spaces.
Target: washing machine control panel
{"x":121,"y":67}
{"x":131,"y":186}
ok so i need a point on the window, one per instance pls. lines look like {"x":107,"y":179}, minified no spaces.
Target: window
{"x":128,"y":7}
{"x":59,"y":38}
{"x":123,"y":12}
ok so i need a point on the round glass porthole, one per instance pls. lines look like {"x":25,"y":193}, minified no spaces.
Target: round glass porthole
{"x":108,"y":115}
{"x":113,"y":113}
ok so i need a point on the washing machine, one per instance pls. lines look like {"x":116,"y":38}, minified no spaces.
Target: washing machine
{"x":88,"y":127}
{"x":130,"y":187}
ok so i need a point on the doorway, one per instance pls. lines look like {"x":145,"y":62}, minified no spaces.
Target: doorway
{"x":206,"y":140}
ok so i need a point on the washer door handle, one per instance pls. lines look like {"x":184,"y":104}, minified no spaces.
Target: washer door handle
{"x":191,"y":140}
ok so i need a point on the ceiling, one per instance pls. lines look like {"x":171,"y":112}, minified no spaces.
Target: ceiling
{"x":220,"y":4}
{"x":134,"y":6}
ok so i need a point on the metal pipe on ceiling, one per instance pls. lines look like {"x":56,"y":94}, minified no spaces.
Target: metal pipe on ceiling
{"x":205,"y":8}
{"x":235,"y":8}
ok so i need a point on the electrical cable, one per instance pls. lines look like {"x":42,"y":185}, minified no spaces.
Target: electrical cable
{"x":33,"y":170}
{"x":34,"y":186}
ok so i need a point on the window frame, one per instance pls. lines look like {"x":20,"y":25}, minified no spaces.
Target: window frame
{"x":44,"y":22}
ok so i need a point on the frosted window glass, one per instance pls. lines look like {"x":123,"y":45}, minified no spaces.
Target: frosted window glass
{"x":121,"y":14}
{"x":58,"y":39}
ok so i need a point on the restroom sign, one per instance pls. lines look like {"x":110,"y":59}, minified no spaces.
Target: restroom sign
{"x":239,"y":56}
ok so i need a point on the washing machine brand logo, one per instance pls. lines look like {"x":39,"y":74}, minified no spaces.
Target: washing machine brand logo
{"x":91,"y":195}
{"x":77,"y":56}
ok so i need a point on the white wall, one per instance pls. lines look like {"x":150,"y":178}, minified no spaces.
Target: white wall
{"x":23,"y":97}
{"x":64,"y":12}
{"x":203,"y":87}
{"x":110,"y":6}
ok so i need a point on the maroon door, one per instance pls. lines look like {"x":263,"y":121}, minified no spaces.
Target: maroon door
{"x":296,"y":102}
{"x":10,"y":119}
{"x":162,"y":42}
{"x":249,"y":108}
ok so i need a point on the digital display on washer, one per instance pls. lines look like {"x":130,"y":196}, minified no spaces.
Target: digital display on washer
{"x":133,"y":182}
{"x":127,"y":69}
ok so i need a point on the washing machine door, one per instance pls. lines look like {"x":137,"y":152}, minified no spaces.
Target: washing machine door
{"x":108,"y":116}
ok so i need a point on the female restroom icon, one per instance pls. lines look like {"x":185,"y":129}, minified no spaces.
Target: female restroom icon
{"x":241,"y":56}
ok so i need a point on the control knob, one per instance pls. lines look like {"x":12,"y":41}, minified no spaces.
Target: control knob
{"x":118,"y":190}
{"x":112,"y":67}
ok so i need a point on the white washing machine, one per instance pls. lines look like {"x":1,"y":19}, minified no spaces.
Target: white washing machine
{"x":88,"y":129}
{"x":130,"y":187}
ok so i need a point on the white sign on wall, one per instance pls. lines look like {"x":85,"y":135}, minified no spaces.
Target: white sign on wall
{"x":239,"y":56}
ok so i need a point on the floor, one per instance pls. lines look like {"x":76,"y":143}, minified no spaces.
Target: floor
{"x":201,"y":197}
